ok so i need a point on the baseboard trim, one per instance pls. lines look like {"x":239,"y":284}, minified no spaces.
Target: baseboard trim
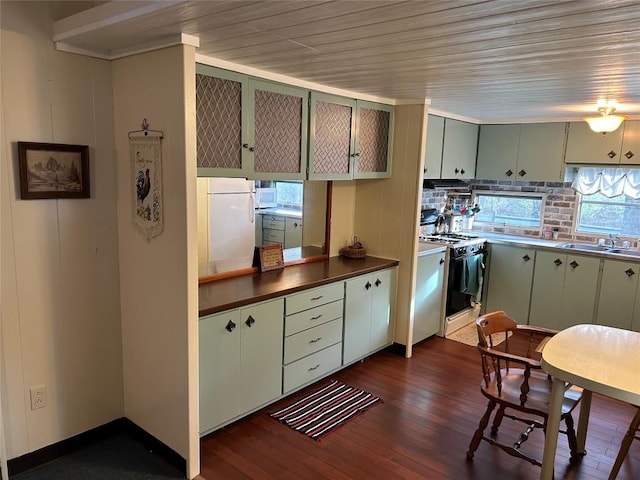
{"x":121,"y":425}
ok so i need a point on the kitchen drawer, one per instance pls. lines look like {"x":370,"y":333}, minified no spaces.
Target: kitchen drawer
{"x":271,"y":235}
{"x":312,"y":367}
{"x":311,"y":340}
{"x":312,"y":317}
{"x":314,"y":297}
{"x":276,"y":223}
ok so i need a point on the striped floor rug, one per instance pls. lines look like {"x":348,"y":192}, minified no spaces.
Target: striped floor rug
{"x":326,"y":409}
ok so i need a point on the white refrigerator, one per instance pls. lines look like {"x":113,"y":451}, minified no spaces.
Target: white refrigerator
{"x":231,"y":221}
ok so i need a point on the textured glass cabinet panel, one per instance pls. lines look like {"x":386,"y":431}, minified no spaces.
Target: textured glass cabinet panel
{"x":219,"y":122}
{"x":332,"y":138}
{"x":278,"y":135}
{"x":373,"y":140}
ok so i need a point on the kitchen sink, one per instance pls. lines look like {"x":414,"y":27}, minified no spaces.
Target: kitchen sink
{"x":585,"y":246}
{"x":590,"y":247}
{"x":624,"y":251}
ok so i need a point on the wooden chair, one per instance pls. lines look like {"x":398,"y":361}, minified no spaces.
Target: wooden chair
{"x":514,"y":381}
{"x":631,"y":434}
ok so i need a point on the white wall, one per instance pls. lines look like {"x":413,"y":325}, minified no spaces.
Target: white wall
{"x":158,"y":278}
{"x":60,"y":287}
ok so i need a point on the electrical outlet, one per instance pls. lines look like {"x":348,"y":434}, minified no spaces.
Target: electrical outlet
{"x":38,"y":397}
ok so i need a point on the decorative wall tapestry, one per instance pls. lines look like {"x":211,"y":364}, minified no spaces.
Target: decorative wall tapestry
{"x":146,"y":159}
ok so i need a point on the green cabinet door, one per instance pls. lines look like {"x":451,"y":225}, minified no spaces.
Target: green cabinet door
{"x":428,"y":300}
{"x":219,"y":366}
{"x":540,"y":152}
{"x":433,"y":148}
{"x":579,"y":292}
{"x":459,"y":149}
{"x":498,"y":152}
{"x":357,"y":318}
{"x":382,"y":309}
{"x":374,"y":133}
{"x":618,"y":291}
{"x":630,"y":151}
{"x":586,"y":146}
{"x":546,"y":293}
{"x":510,"y":280}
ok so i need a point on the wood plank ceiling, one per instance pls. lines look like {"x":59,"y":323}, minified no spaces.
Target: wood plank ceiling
{"x":487,"y":61}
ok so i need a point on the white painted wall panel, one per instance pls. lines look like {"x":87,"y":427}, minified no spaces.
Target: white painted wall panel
{"x":60,"y":286}
{"x":159,"y":277}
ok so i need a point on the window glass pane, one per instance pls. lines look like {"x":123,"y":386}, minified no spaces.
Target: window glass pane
{"x":289,"y":194}
{"x":505,"y":209}
{"x":618,"y":215}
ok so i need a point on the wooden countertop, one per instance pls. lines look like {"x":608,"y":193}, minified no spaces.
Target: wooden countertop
{"x":235,"y":292}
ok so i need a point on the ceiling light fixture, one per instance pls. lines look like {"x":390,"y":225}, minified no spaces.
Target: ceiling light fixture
{"x":605,"y":122}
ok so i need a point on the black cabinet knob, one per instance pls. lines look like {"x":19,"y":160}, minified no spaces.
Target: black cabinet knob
{"x":245,"y":145}
{"x":230,"y":326}
{"x":630,"y":273}
{"x":250,"y":321}
{"x":574,"y":264}
{"x":558,"y":262}
{"x":462,"y":171}
{"x":441,"y":261}
{"x":378,"y":282}
{"x":522,"y":173}
{"x":611,"y":154}
{"x":508,"y":173}
{"x":629,"y":154}
{"x":456,"y":171}
{"x":526,"y":257}
{"x":368,"y":285}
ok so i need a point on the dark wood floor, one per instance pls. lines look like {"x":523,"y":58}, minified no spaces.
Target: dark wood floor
{"x":432,"y":404}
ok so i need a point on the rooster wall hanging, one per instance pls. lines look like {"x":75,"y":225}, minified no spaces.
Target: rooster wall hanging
{"x":145,"y":150}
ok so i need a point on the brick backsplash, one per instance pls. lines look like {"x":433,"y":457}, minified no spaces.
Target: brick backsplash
{"x":559,"y":208}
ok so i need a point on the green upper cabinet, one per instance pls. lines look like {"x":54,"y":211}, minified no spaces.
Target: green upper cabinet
{"x":621,"y":147}
{"x":278,"y":118}
{"x":531,"y":152}
{"x":248,"y":127}
{"x":332,"y":137}
{"x":433,"y":148}
{"x":349,"y":138}
{"x":220,"y":123}
{"x":459,"y":149}
{"x":374,"y":131}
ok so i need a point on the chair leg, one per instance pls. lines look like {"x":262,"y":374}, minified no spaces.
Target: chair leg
{"x":477,"y":436}
{"x":626,"y":443}
{"x":571,"y":436}
{"x":497,"y":420}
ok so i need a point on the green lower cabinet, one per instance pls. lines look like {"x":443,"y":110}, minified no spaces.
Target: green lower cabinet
{"x":428,"y":298}
{"x":564,"y":290}
{"x":369,"y":314}
{"x":240,"y":354}
{"x":618,"y":292}
{"x":510,"y":278}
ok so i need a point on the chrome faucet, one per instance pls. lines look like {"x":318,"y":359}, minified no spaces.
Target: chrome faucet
{"x":614,"y":240}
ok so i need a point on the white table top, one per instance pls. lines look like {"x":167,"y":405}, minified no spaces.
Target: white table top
{"x":601,"y":359}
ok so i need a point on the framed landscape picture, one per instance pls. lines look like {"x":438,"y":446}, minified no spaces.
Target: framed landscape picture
{"x":53,"y":170}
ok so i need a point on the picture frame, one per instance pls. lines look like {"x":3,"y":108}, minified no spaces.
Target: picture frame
{"x":270,"y":257}
{"x":53,"y":170}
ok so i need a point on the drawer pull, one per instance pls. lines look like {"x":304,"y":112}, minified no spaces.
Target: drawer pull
{"x":250,"y":321}
{"x":316,"y":298}
{"x":316,"y":340}
{"x":314,"y":368}
{"x":630,"y":273}
{"x":316,"y":317}
{"x":230,"y":326}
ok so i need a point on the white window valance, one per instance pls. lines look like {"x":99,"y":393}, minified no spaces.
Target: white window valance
{"x":611,"y":182}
